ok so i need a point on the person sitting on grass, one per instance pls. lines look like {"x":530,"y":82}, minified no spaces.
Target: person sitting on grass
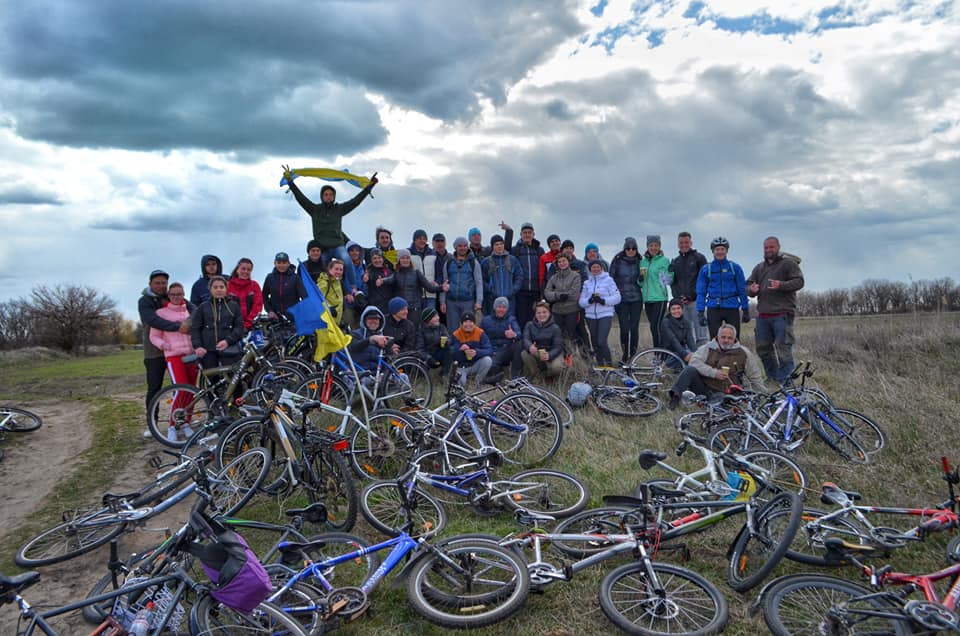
{"x":399,"y":327}
{"x":368,"y":339}
{"x":542,"y":353}
{"x":433,"y":341}
{"x":716,"y":366}
{"x":506,"y":337}
{"x":676,"y":333}
{"x":472,"y":350}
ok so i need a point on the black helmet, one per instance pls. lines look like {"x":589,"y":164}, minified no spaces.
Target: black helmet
{"x":719,"y":242}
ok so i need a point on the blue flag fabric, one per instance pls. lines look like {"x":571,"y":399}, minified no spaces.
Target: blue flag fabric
{"x":312,"y":316}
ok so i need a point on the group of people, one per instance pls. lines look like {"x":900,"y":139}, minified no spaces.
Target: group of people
{"x":493,"y":308}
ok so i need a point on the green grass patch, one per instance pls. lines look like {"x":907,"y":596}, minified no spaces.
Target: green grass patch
{"x":72,"y":377}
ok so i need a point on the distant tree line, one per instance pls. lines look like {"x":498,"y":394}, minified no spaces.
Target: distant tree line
{"x":65,"y":317}
{"x":874,"y":296}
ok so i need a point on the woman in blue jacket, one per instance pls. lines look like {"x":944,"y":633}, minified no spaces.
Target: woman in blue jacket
{"x":722,"y":291}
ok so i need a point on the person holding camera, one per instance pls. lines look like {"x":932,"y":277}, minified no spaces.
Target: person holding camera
{"x":598,"y":298}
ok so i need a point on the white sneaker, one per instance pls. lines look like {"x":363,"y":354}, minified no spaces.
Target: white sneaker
{"x":147,"y":433}
{"x":187,"y":431}
{"x":172,"y":435}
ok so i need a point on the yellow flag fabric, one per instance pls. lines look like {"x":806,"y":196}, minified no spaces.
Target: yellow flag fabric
{"x":329,"y":174}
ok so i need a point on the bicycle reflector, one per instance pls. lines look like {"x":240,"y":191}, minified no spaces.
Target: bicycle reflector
{"x":341,"y":445}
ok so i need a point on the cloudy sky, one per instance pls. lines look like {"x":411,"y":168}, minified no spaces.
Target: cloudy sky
{"x":136,"y":135}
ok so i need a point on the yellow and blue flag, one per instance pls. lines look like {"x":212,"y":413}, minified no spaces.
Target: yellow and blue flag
{"x":327,"y":174}
{"x":312,"y":315}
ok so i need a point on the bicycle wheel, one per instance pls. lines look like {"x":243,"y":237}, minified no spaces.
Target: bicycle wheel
{"x":541,"y":437}
{"x":755,"y":553}
{"x":18,"y":420}
{"x":546,"y":491}
{"x":210,"y":617}
{"x":802,"y":604}
{"x":96,"y":612}
{"x":300,"y":601}
{"x":560,"y":404}
{"x":837,"y":434}
{"x":808,"y":544}
{"x":679,"y":601}
{"x":606,"y":520}
{"x":779,"y":472}
{"x":470,"y":583}
{"x":252,"y":432}
{"x":237,"y":482}
{"x":736,"y":438}
{"x":656,"y":365}
{"x":334,"y":486}
{"x":178,"y":406}
{"x":855,"y":425}
{"x":382,"y":451}
{"x":447,"y":462}
{"x":384,"y":507}
{"x":412,"y":383}
{"x":84,"y":532}
{"x":330,"y":390}
{"x":626,"y":402}
{"x":274,"y":378}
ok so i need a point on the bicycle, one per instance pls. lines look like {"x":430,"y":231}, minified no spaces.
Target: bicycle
{"x":230,"y":489}
{"x":522,"y":384}
{"x":816,"y":603}
{"x":656,"y":365}
{"x":457,"y":583}
{"x":17,"y":420}
{"x":628,"y":399}
{"x":851,"y":523}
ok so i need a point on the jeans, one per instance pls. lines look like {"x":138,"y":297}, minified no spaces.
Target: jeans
{"x":628,"y":317}
{"x":509,"y":354}
{"x":349,"y":272}
{"x":600,"y":334}
{"x":774,"y":341}
{"x":655,"y":313}
{"x":691,"y":316}
{"x":478,"y":367}
{"x":690,"y":379}
{"x":455,"y":311}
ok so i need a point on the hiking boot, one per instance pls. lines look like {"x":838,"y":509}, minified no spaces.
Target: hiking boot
{"x":493,"y":378}
{"x":674,"y":402}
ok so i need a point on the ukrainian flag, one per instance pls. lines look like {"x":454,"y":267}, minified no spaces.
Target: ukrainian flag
{"x":312,"y":315}
{"x":327,"y":174}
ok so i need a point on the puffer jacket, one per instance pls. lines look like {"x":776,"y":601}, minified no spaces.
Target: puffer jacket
{"x":625,"y":271}
{"x":410,"y":283}
{"x":562,"y":282}
{"x":546,"y":336}
{"x":529,"y":257}
{"x":721,"y":284}
{"x":656,"y":284}
{"x":602,"y":284}
{"x":248,"y":295}
{"x":494,"y":328}
{"x":466,"y":280}
{"x":172,"y":343}
{"x":215,"y":320}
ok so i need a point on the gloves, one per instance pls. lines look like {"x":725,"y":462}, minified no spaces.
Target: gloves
{"x":703,"y":319}
{"x":563,"y":297}
{"x":745,"y":316}
{"x":601,"y":301}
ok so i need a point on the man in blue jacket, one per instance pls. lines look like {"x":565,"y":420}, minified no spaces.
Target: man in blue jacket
{"x":502,"y":275}
{"x":506,"y":338}
{"x":722,"y":291}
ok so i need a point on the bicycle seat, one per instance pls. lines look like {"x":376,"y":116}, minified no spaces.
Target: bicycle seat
{"x":837,"y":549}
{"x":314,"y":513}
{"x":310,"y":405}
{"x":833,"y":494}
{"x":668,"y":493}
{"x":16,"y":583}
{"x":649,"y":458}
{"x":623,"y":500}
{"x":526,"y":517}
{"x":109,"y":497}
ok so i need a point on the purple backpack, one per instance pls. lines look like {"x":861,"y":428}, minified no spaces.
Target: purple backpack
{"x":240,"y":581}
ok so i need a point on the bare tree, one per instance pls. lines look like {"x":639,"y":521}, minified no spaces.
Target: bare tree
{"x":16,"y":329}
{"x":69,"y":316}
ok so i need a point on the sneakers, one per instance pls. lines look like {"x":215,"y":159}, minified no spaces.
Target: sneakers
{"x":172,"y":434}
{"x":674,"y":401}
{"x":187,"y":431}
{"x":147,"y":434}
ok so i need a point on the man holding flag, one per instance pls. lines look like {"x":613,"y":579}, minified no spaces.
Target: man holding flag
{"x":327,"y":216}
{"x":312,"y":316}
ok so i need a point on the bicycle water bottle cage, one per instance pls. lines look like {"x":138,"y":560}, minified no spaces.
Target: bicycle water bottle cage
{"x":833,"y":494}
{"x":649,"y":458}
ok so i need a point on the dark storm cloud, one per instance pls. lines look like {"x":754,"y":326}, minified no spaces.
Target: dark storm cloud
{"x":21,"y":194}
{"x":280,"y":78}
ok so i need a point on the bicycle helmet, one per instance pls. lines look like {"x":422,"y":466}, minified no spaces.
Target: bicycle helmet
{"x":719,"y":242}
{"x":578,"y":393}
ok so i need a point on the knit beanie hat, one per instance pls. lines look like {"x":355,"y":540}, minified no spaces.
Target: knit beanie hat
{"x":428,"y":314}
{"x":590,"y":246}
{"x":396,"y":304}
{"x":501,"y":301}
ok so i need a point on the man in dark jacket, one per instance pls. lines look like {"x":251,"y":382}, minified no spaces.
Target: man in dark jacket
{"x":502,"y":274}
{"x":210,"y":265}
{"x":676,"y":334}
{"x":327,"y":217}
{"x":506,"y":339}
{"x":433,"y":341}
{"x":368,"y":339}
{"x":398,"y":327}
{"x":625,"y":272}
{"x":280,"y":287}
{"x":775,"y":283}
{"x":153,"y":297}
{"x":528,"y":252}
{"x":418,"y":246}
{"x":475,"y":238}
{"x":686,"y":267}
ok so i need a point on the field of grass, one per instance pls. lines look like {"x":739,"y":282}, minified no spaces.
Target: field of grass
{"x":900,"y":370}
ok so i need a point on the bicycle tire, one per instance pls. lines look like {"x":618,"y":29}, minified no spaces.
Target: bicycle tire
{"x":656,"y":365}
{"x":784,"y":474}
{"x":335,"y":488}
{"x":560,"y":404}
{"x":606,"y":520}
{"x":842,"y":442}
{"x":544,"y":431}
{"x":234,"y":485}
{"x":808,"y":547}
{"x":95,"y":613}
{"x":273,"y":378}
{"x":626,"y":402}
{"x":798,"y":604}
{"x":754,"y":555}
{"x":557,"y":493}
{"x":210,"y":617}
{"x":689,"y":604}
{"x":488,"y":584}
{"x":382,"y":450}
{"x":417,"y":379}
{"x":337,"y":396}
{"x":382,"y":505}
{"x":87,"y":531}
{"x":17,"y":420}
{"x":864,"y":431}
{"x":300,"y":601}
{"x":251,"y":432}
{"x":180,"y":405}
{"x":446,"y":462}
{"x":738,"y":439}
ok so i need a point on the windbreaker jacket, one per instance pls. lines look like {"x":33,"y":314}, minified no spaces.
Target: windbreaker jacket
{"x":529,"y":257}
{"x":721,"y":284}
{"x":327,"y":218}
{"x":656,"y":284}
{"x":602,"y":284}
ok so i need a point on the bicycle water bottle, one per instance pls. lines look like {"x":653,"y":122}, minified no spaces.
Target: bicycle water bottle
{"x":141,"y":623}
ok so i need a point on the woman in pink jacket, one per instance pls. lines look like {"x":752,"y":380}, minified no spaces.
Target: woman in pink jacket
{"x":175,"y":345}
{"x":247,"y":292}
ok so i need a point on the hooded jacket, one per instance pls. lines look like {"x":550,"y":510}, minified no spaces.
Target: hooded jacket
{"x":215,"y":320}
{"x":327,"y":218}
{"x":364,"y":352}
{"x":172,"y":343}
{"x":721,"y":284}
{"x":248,"y":295}
{"x":686,"y":268}
{"x":625,"y":272}
{"x":743,"y":364}
{"x":332,"y":290}
{"x":656,"y":284}
{"x":786,"y":269}
{"x":563,"y":282}
{"x":466,"y":280}
{"x":545,"y":336}
{"x":280,"y":290}
{"x":529,"y":257}
{"x":201,"y":290}
{"x":147,"y":306}
{"x":603,"y":285}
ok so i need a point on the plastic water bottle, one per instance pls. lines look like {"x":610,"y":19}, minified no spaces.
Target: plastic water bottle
{"x":141,"y":622}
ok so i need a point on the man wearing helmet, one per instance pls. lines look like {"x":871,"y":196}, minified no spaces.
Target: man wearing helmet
{"x":722,"y":291}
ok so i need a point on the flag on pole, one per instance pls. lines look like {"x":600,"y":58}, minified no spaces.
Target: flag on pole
{"x":312,"y":315}
{"x":327,"y":174}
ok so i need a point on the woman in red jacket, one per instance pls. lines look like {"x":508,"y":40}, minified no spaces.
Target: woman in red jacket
{"x":246,"y":290}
